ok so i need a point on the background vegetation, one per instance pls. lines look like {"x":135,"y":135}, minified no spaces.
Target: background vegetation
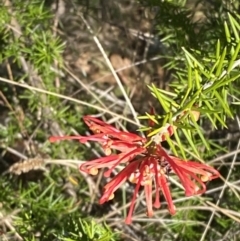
{"x":57,"y":64}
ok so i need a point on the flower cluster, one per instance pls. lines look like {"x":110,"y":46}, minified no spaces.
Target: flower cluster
{"x":144,"y":165}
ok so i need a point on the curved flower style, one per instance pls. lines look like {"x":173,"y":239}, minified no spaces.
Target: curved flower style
{"x":145,"y":166}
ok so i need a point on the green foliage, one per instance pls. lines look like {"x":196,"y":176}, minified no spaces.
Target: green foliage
{"x":203,"y":57}
{"x":44,"y":211}
{"x":38,"y":203}
{"x":205,"y":87}
{"x":86,"y":230}
{"x":199,"y":43}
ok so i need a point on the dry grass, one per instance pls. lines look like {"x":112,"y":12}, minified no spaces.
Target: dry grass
{"x":106,"y":65}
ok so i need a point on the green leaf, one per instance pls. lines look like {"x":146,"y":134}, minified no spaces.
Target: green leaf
{"x":227,"y":32}
{"x":180,"y":145}
{"x":163,"y":100}
{"x":235,"y":26}
{"x":234,"y":57}
{"x":221,"y":62}
{"x":218,"y":49}
{"x":188,"y":135}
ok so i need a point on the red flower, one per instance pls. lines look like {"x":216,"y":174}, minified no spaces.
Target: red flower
{"x":145,"y":166}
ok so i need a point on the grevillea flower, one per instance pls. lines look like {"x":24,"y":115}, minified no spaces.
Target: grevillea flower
{"x":144,"y":165}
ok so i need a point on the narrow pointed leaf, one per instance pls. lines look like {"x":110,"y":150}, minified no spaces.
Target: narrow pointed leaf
{"x":227,"y":32}
{"x":221,"y":61}
{"x":218,"y":47}
{"x":188,"y":136}
{"x":180,"y":146}
{"x":233,"y":26}
{"x":234,"y":57}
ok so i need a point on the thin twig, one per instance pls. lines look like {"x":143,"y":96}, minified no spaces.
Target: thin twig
{"x":32,"y":88}
{"x":223,"y":189}
{"x":96,"y":40}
